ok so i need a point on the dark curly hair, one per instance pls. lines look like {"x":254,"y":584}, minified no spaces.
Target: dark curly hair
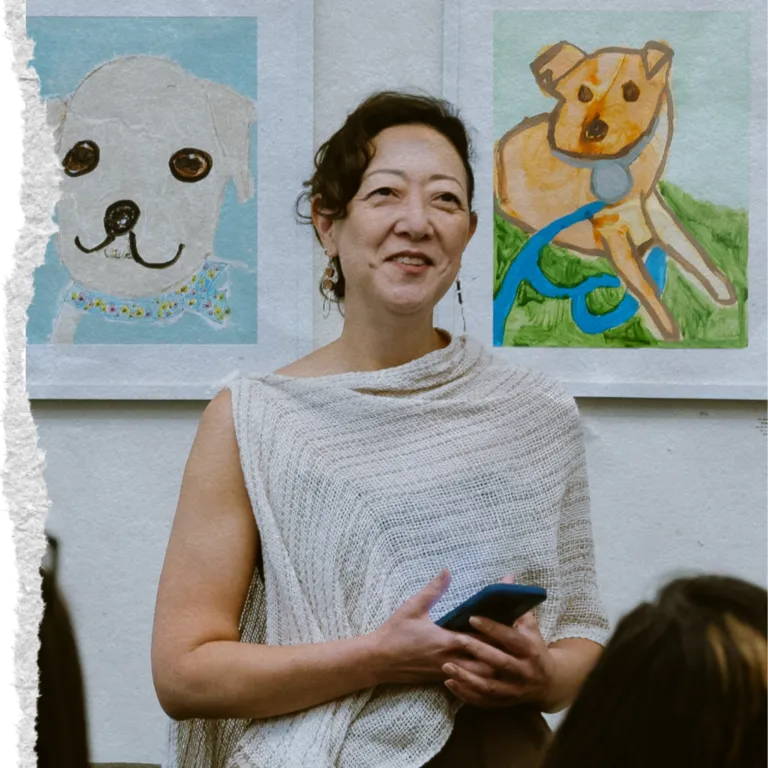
{"x":342,"y":160}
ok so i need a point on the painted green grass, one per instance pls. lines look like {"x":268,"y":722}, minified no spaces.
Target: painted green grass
{"x":539,"y":321}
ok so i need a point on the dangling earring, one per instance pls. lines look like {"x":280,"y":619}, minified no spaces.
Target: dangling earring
{"x":461,"y":304}
{"x":330,"y":276}
{"x":328,"y":284}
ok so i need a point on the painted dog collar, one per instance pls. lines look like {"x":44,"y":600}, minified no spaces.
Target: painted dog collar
{"x":611,"y":179}
{"x":205,"y":293}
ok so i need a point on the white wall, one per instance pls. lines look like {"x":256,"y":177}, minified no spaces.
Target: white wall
{"x":676,"y":485}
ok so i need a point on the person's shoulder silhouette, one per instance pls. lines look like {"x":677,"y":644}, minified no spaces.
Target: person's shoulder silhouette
{"x":62,"y":733}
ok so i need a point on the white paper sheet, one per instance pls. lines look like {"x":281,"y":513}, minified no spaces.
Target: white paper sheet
{"x":676,"y":371}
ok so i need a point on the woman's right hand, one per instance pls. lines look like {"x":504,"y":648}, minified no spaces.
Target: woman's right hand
{"x":410,"y":648}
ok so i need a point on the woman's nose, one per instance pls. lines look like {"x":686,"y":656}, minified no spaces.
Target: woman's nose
{"x":414,"y":220}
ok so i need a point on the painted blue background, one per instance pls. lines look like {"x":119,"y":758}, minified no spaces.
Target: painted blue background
{"x":219,"y":49}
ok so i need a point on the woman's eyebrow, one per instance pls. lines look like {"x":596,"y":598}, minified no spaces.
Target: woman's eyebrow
{"x":445,"y":177}
{"x":433,"y":177}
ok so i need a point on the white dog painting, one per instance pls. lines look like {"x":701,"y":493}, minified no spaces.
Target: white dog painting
{"x":147,"y":151}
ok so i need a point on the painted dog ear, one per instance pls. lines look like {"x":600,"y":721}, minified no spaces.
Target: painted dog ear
{"x":554,"y":63}
{"x":657,"y":59}
{"x":233,"y":115}
{"x":55,"y":112}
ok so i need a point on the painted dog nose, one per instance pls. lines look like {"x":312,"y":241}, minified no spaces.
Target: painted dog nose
{"x":121,"y":217}
{"x":595,"y":130}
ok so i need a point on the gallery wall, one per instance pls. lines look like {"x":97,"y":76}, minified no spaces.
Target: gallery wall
{"x":676,"y":485}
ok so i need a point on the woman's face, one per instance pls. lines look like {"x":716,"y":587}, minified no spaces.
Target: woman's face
{"x":401,"y":242}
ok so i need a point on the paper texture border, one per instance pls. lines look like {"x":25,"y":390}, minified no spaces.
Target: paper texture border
{"x":24,"y":485}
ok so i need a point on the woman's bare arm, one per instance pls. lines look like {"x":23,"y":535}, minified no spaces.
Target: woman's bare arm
{"x":199,"y":667}
{"x":574,"y":658}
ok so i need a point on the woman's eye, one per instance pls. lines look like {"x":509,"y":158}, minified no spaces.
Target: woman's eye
{"x":190,"y":164}
{"x":449,"y":197}
{"x":384,"y":191}
{"x":81,"y":159}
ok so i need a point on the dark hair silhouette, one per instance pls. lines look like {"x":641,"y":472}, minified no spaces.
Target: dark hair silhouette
{"x":342,"y":160}
{"x":62,"y":733}
{"x":682,"y":682}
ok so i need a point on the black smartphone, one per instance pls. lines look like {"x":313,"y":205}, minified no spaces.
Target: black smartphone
{"x":504,"y":603}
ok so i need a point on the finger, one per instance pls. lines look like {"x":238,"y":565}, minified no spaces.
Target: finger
{"x":500,"y":662}
{"x":470,"y":696}
{"x":485,"y":688}
{"x":527,"y":622}
{"x":508,"y":579}
{"x":479,"y":668}
{"x":483,"y":639}
{"x":422,"y":601}
{"x":460,"y":692}
{"x":509,"y":638}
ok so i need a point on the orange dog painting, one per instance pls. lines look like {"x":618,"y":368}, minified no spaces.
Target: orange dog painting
{"x":583,"y":184}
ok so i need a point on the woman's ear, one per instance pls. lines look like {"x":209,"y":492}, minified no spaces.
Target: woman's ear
{"x":472,"y":225}
{"x":324,"y":225}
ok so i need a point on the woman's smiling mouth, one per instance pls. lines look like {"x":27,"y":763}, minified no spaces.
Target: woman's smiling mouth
{"x":411,"y":262}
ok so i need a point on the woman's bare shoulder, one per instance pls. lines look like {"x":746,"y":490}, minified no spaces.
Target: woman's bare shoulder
{"x":217,"y":416}
{"x":215,"y":444}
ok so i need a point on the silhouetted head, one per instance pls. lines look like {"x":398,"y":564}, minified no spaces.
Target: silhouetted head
{"x":682,"y":682}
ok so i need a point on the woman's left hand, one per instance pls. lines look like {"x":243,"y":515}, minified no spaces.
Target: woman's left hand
{"x":520,"y":667}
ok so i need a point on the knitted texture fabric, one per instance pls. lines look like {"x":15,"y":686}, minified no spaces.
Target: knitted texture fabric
{"x":364,"y":485}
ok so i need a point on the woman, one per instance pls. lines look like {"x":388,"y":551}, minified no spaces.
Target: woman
{"x":318,"y":501}
{"x":682,"y":682}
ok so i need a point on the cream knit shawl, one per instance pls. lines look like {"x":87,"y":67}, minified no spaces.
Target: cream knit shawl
{"x":363,"y":486}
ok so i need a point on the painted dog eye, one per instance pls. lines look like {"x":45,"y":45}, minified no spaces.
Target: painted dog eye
{"x":81,"y":159}
{"x":631,"y":91}
{"x":190,"y":164}
{"x":585,"y":94}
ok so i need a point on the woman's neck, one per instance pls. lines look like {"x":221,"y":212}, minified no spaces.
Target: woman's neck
{"x":386,"y":344}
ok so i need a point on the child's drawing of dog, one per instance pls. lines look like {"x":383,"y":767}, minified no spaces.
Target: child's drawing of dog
{"x":147,"y":151}
{"x":606,"y":140}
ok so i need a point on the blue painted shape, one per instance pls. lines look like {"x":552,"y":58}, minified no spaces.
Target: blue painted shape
{"x":526,"y":267}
